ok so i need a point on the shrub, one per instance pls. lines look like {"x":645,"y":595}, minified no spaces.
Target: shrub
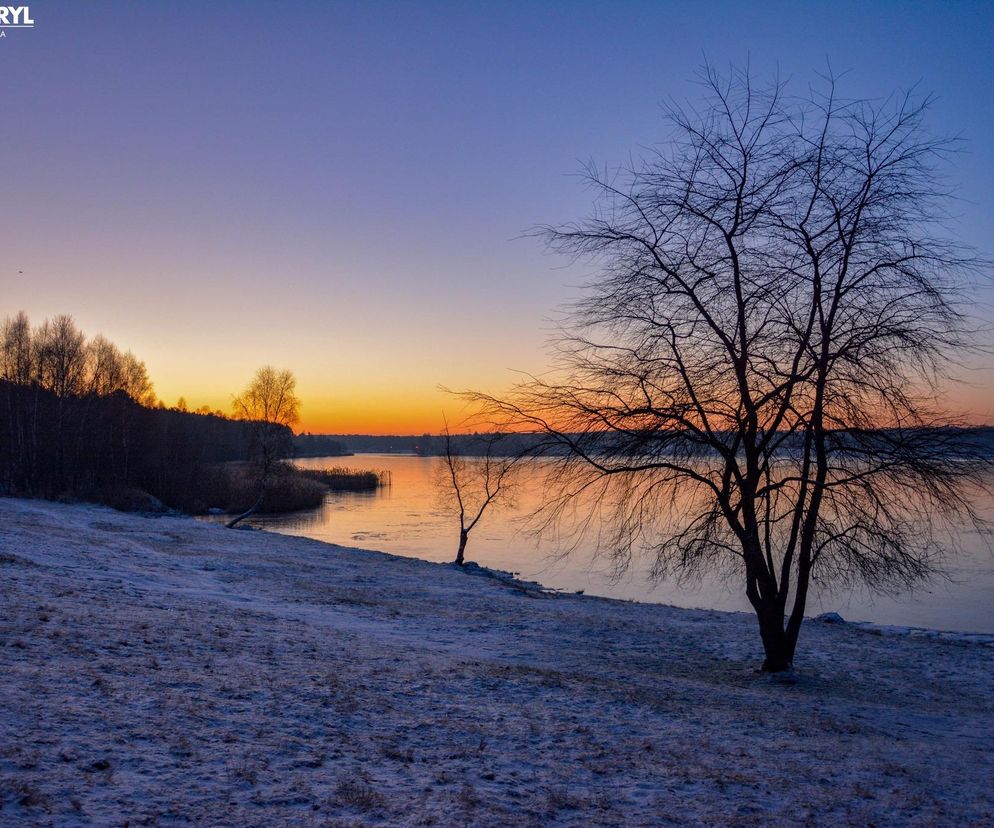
{"x":234,"y":488}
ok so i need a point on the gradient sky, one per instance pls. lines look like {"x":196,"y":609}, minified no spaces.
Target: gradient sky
{"x":338,"y":188}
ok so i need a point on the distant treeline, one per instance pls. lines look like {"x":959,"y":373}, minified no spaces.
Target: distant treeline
{"x":426,"y":444}
{"x":77,"y":421}
{"x":971,"y":441}
{"x":373,"y":444}
{"x":318,"y":445}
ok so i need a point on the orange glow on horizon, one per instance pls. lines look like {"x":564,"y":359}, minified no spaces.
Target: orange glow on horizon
{"x":413,"y":415}
{"x":365,"y":412}
{"x":386,"y":402}
{"x":349,"y":386}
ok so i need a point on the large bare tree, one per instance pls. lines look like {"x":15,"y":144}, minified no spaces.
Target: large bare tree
{"x":749,"y":382}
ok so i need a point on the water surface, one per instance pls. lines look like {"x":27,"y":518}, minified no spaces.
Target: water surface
{"x":408,"y":518}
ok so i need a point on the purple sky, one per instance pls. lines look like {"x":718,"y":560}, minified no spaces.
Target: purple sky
{"x":338,"y":187}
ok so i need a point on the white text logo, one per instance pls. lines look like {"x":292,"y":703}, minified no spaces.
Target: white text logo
{"x":15,"y":17}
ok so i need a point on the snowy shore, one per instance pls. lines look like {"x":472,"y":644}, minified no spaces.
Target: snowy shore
{"x":164,"y":671}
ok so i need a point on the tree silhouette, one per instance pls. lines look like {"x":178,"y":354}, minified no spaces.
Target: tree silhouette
{"x":475,"y":481}
{"x":751,"y":382}
{"x":271,"y":405}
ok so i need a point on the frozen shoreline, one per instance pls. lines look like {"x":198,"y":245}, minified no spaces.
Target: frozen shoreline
{"x":169,"y":670}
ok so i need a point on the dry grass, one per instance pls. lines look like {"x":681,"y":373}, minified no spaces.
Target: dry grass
{"x":341,"y":479}
{"x":234,"y":487}
{"x":357,"y":793}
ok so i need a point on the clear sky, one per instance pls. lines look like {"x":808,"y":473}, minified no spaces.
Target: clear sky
{"x":339,"y":188}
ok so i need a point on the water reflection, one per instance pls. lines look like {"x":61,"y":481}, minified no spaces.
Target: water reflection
{"x":407,"y":518}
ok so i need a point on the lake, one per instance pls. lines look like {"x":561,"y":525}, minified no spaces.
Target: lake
{"x":408,"y":518}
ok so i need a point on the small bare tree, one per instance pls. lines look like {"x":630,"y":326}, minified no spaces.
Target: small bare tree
{"x":753,"y":378}
{"x":474,"y":480}
{"x":271,"y":405}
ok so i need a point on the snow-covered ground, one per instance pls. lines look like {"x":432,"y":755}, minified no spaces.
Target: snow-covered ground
{"x":164,"y":671}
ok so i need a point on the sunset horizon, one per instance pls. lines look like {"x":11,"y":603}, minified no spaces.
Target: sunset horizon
{"x":213,"y":216}
{"x":525,"y":413}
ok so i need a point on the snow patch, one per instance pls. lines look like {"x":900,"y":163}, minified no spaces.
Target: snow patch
{"x":166,"y":670}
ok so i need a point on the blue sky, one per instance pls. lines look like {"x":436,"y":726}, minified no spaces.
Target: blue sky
{"x":340,"y":187}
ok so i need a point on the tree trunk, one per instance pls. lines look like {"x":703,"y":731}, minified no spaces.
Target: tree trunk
{"x":800,"y":602}
{"x":777,"y":647}
{"x":769,"y":609}
{"x":231,"y":524}
{"x":460,"y":555}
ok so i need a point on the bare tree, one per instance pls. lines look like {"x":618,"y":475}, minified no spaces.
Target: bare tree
{"x":16,"y":357}
{"x":17,"y":367}
{"x":750,"y":384}
{"x":136,"y":382}
{"x":61,"y":357}
{"x":473,"y":481}
{"x":271,"y":405}
{"x":106,"y":374}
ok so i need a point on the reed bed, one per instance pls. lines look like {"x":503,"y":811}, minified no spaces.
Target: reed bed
{"x":341,"y":479}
